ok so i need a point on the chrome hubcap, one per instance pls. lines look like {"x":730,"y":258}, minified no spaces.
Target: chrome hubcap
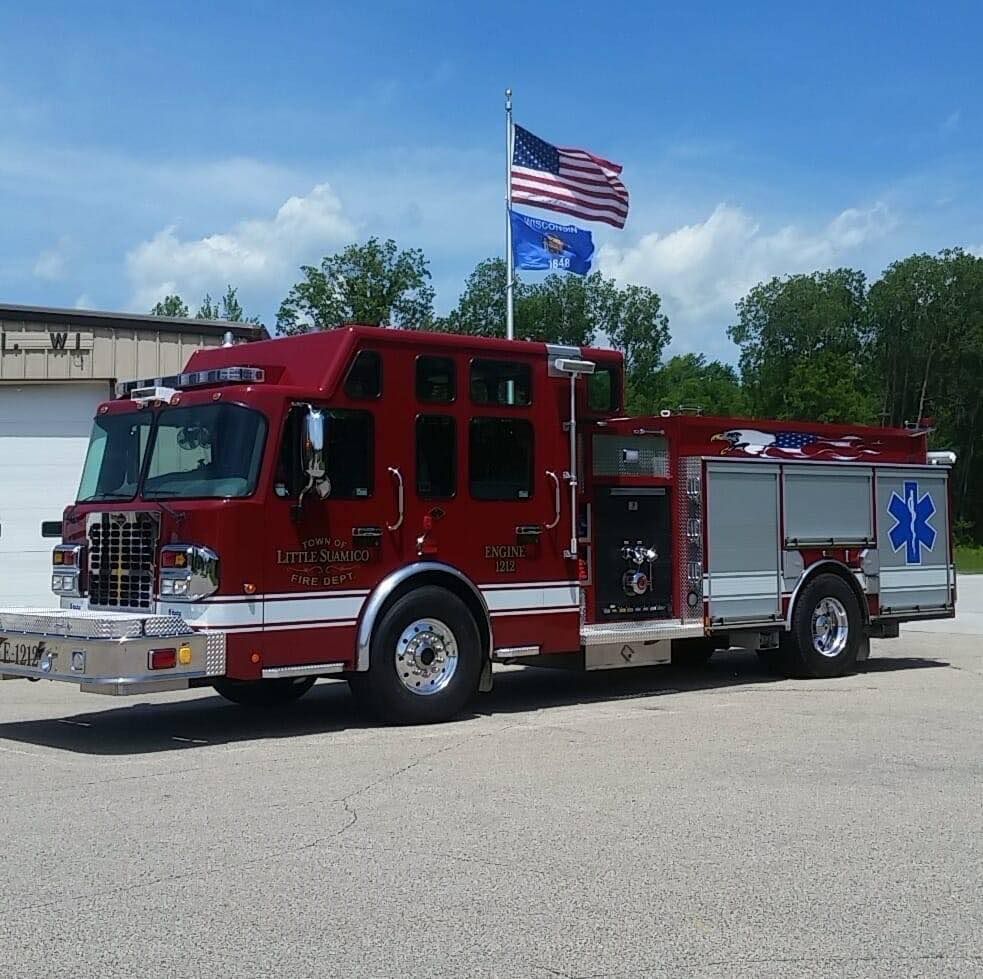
{"x":830,"y":627}
{"x":426,"y":656}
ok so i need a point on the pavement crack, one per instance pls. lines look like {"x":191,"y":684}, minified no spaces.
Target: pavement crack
{"x":345,"y":801}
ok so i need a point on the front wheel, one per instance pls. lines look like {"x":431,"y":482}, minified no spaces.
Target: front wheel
{"x":424,"y":661}
{"x":826,"y":629}
{"x":264,"y":693}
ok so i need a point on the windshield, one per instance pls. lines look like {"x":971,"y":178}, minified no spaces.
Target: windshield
{"x":210,"y":450}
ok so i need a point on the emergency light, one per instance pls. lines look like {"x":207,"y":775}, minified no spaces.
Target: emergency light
{"x":190,"y":379}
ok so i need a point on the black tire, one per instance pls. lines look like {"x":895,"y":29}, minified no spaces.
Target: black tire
{"x":775,"y":660}
{"x":264,"y":693}
{"x":693,"y":654}
{"x":395,"y":690}
{"x":824,"y":593}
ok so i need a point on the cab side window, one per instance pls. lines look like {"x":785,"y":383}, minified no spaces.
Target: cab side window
{"x":603,"y":390}
{"x":501,"y":382}
{"x":500,"y":459}
{"x":436,"y":457}
{"x":435,"y":379}
{"x":348,"y":449}
{"x":364,"y":379}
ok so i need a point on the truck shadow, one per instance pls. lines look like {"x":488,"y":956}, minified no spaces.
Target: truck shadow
{"x":151,"y":727}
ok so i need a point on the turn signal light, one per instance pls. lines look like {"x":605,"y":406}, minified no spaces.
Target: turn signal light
{"x":162,"y":659}
{"x":66,"y":555}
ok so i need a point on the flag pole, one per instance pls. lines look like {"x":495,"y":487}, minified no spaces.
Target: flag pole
{"x":509,"y":260}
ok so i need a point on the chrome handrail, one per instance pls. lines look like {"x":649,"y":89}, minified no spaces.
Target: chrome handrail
{"x":556,"y":498}
{"x":399,"y":499}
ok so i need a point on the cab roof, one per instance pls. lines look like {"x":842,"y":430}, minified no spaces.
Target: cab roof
{"x":315,"y":360}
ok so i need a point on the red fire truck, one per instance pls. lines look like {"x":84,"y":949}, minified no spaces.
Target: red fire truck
{"x":404,"y":510}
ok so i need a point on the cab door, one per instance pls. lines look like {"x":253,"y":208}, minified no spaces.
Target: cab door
{"x":480,"y":496}
{"x":332,"y":543}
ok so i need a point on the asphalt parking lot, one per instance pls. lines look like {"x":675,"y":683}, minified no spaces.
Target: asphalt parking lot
{"x":643,"y":823}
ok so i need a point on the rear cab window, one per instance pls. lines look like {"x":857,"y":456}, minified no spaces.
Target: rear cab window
{"x":500,"y":453}
{"x":501,"y":382}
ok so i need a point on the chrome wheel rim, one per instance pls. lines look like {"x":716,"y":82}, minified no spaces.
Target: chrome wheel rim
{"x":830,"y":627}
{"x":426,"y":657}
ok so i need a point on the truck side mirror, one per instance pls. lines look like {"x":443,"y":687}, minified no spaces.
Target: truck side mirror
{"x":312,"y":444}
{"x":312,"y":449}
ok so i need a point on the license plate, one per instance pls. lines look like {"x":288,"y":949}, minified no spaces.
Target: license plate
{"x":18,"y":652}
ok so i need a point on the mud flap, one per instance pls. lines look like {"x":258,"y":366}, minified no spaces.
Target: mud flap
{"x":863,"y":649}
{"x":485,"y":681}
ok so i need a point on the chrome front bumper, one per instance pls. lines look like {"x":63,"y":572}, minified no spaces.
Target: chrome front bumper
{"x":104,"y":652}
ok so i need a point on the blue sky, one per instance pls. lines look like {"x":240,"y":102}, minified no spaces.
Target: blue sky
{"x":146,"y":148}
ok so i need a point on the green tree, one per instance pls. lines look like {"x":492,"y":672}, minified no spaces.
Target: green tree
{"x":556,"y":310}
{"x":171,"y":306}
{"x":374,"y":283}
{"x":480,"y":311}
{"x":804,"y":347}
{"x":560,"y":309}
{"x":926,"y":314}
{"x":632,"y":319}
{"x":230,"y":308}
{"x":568,"y":309}
{"x":689,"y":381}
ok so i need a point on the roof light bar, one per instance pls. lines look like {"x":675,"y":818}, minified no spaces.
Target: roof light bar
{"x":195,"y":379}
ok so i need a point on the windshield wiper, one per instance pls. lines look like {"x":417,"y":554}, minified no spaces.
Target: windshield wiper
{"x":100,"y":497}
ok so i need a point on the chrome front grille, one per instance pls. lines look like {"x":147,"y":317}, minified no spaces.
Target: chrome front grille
{"x":122,"y":553}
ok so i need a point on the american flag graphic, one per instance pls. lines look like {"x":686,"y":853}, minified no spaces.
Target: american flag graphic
{"x":568,"y":180}
{"x":797,"y":445}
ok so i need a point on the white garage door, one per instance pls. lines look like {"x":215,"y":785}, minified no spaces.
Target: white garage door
{"x":44,"y":430}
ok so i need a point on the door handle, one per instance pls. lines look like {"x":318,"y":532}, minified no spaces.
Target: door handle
{"x":368,"y":536}
{"x":556,"y":498}
{"x":398,"y":477}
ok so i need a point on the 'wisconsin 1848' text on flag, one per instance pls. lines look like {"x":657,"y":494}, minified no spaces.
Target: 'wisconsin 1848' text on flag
{"x":541,"y":244}
{"x":568,"y":180}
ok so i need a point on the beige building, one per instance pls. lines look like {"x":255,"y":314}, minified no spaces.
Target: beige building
{"x":56,"y":367}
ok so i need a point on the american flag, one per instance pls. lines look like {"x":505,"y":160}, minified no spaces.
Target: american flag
{"x":567,"y":180}
{"x":797,"y":445}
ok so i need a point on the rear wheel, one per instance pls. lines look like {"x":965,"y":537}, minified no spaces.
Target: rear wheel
{"x":424,"y":662}
{"x":264,"y":693}
{"x":826,"y":629}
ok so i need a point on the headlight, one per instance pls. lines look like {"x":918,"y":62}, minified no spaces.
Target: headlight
{"x":188,"y":572}
{"x":68,"y":568}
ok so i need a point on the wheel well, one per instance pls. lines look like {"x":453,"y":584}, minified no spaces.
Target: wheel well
{"x":449,"y":579}
{"x":841,"y":571}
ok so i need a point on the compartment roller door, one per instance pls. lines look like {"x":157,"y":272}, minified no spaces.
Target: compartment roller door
{"x":743,"y":552}
{"x":44,"y":431}
{"x":916,"y":572}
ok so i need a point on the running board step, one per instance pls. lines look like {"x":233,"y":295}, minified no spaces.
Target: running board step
{"x":305,"y":669}
{"x":650,"y":630}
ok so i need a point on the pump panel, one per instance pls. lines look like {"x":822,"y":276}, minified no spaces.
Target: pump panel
{"x":634,"y":564}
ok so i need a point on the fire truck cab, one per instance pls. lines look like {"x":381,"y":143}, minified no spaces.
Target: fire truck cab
{"x":404,"y":510}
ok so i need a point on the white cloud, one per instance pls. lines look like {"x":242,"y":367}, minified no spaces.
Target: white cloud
{"x":702,"y":269}
{"x":50,"y":264}
{"x":976,"y":250}
{"x":255,"y":255}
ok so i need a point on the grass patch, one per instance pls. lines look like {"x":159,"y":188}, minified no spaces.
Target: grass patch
{"x":969,"y":559}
